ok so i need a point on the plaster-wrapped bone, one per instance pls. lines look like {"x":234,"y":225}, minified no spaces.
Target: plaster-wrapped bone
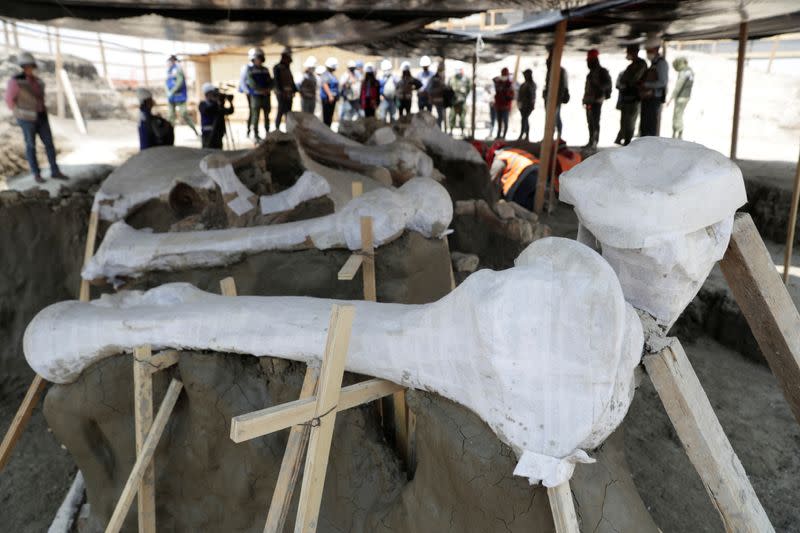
{"x":420,"y":205}
{"x":544,"y":352}
{"x":435,"y":140}
{"x":662,"y":211}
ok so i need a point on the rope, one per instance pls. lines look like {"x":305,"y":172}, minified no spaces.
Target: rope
{"x":317,"y":420}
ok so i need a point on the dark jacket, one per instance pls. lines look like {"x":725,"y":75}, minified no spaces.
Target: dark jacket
{"x":526,"y":96}
{"x":597,"y":87}
{"x":284,"y":82}
{"x":212,"y":122}
{"x":628,"y":82}
{"x":563,"y":87}
{"x":154,"y":130}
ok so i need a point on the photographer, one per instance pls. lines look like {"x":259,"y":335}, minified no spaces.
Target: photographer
{"x":213,"y":111}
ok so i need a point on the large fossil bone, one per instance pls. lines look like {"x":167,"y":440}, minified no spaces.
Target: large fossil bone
{"x":662,"y":209}
{"x":420,"y":205}
{"x":422,"y":128}
{"x":544,"y":352}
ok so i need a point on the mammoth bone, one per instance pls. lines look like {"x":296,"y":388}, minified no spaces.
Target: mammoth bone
{"x":420,"y":204}
{"x":543,"y":352}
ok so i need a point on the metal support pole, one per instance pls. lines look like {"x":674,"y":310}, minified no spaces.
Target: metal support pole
{"x":144,"y":66}
{"x":60,"y":102}
{"x":49,"y":41}
{"x":546,"y":152}
{"x":16,"y":35}
{"x":474,"y":91}
{"x":787,"y":256}
{"x":737,"y":99}
{"x":102,"y":55}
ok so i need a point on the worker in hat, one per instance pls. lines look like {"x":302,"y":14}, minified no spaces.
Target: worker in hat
{"x":388,"y":106}
{"x":503,"y":100}
{"x":596,"y":90}
{"x":526,"y":101}
{"x":628,"y":94}
{"x":153,"y":130}
{"x":213,"y":111}
{"x":406,"y":86}
{"x":514,"y":172}
{"x":370,"y":91}
{"x":176,"y":93}
{"x":424,"y":77}
{"x":350,"y":90}
{"x":460,"y":86}
{"x":680,"y":94}
{"x":258,"y":83}
{"x":329,"y":90}
{"x":284,"y":85}
{"x":243,"y":84}
{"x":25,"y":98}
{"x":563,"y":89}
{"x":308,"y":86}
{"x":653,"y":88}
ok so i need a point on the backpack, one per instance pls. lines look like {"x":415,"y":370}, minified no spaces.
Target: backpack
{"x":389,"y":88}
{"x":162,"y":131}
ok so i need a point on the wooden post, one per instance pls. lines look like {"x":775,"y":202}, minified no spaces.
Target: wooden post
{"x":550,"y":119}
{"x":551,"y":203}
{"x":775,"y":42}
{"x":16,"y":35}
{"x":101,"y":45}
{"x":144,"y":65}
{"x":321,"y":433}
{"x":787,"y":254}
{"x":49,"y":40}
{"x":705,"y":442}
{"x":737,"y":98}
{"x":227,"y":286}
{"x":143,"y":419}
{"x":60,"y":108}
{"x":563,"y":508}
{"x":88,"y":252}
{"x":368,"y":263}
{"x":766,"y":304}
{"x":73,"y":101}
{"x":143,"y":459}
{"x":356,"y":189}
{"x":5,"y":33}
{"x":474,"y":91}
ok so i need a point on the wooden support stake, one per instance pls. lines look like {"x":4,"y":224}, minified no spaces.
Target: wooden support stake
{"x":737,"y":98}
{"x":474,"y":92}
{"x":88,"y":252}
{"x":106,"y":74}
{"x":704,"y":440}
{"x":766,"y":304}
{"x":787,"y":254}
{"x":545,"y":152}
{"x":368,"y":263}
{"x":73,"y":102}
{"x":144,"y":65}
{"x":143,"y":419}
{"x":49,"y":40}
{"x":228,"y":286}
{"x":143,"y":459}
{"x":163,"y":360}
{"x":356,"y":189}
{"x":16,"y":34}
{"x":292,"y":462}
{"x":563,"y":509}
{"x":319,"y":442}
{"x":60,"y":107}
{"x":350,"y":268}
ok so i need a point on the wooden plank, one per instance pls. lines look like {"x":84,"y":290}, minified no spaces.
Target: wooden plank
{"x":265,"y":421}
{"x":319,"y":440}
{"x":228,"y":286}
{"x":550,"y":116}
{"x":766,"y":304}
{"x":563,"y":508}
{"x":88,"y":252}
{"x":292,"y":462}
{"x":350,"y":268}
{"x":163,"y":360}
{"x":401,"y":425}
{"x":356,"y":189}
{"x":737,"y":98}
{"x":704,"y":440}
{"x":21,"y":419}
{"x":143,"y":420}
{"x":787,"y":254}
{"x":60,"y":107}
{"x":412,"y":443}
{"x":73,"y":102}
{"x":144,"y":64}
{"x":368,"y":262}
{"x":144,"y":458}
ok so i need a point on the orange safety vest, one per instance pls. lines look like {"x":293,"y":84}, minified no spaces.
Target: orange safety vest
{"x":516,"y":161}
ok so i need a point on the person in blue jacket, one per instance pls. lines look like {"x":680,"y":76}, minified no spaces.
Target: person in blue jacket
{"x":176,"y":93}
{"x":153,"y":130}
{"x":328,"y":90}
{"x":243,"y":85}
{"x":259,"y":83}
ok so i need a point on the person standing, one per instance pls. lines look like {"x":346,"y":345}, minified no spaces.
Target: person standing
{"x":212,"y":115}
{"x":370,"y":91}
{"x":595,"y":91}
{"x":436,"y":95}
{"x":425,"y":75}
{"x":176,"y":93}
{"x":653,"y":89}
{"x":308,"y":86}
{"x":680,"y":94}
{"x":628,"y":98}
{"x":503,"y":99}
{"x":284,"y":86}
{"x":563,"y":90}
{"x":526,"y":101}
{"x":259,"y":83}
{"x":243,"y":84}
{"x":329,"y":90}
{"x":350,"y":88}
{"x":405,"y":88}
{"x":388,"y":82}
{"x":461,"y":87}
{"x":25,"y":99}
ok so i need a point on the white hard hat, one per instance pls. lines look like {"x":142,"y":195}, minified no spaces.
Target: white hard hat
{"x":251,"y":53}
{"x":351,"y":64}
{"x":25,"y":58}
{"x":386,"y":65}
{"x":369,"y":67}
{"x":405,"y":65}
{"x":653,"y":41}
{"x":319,"y":70}
{"x":424,"y":61}
{"x":332,"y":62}
{"x":311,"y":62}
{"x":258,"y":52}
{"x":143,"y":94}
{"x":209,"y":87}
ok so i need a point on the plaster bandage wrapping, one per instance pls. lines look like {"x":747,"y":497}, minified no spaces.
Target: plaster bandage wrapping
{"x":543,"y":352}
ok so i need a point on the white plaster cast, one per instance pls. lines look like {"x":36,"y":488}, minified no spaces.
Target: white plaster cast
{"x":662,"y":210}
{"x":308,"y":186}
{"x":384,"y":135}
{"x":420,"y":204}
{"x":544,"y":352}
{"x":440,"y":143}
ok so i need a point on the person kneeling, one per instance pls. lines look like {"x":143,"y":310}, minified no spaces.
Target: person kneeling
{"x":153,"y":129}
{"x":213,"y":111}
{"x":515,"y":172}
